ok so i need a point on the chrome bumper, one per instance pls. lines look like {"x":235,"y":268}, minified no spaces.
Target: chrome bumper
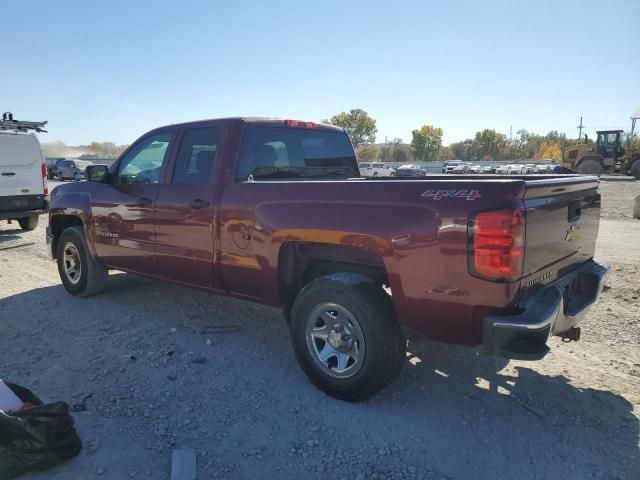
{"x":555,"y":309}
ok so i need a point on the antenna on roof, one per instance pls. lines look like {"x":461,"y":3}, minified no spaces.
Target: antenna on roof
{"x":8,"y":123}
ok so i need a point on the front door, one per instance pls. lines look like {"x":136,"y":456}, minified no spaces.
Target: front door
{"x":185,"y":213}
{"x":123,"y":210}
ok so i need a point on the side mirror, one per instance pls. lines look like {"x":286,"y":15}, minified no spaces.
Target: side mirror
{"x":96,"y":173}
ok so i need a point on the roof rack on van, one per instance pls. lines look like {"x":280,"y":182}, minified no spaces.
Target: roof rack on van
{"x":8,"y":123}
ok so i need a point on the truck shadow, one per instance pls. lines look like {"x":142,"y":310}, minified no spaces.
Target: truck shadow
{"x":9,"y":234}
{"x":453,"y":409}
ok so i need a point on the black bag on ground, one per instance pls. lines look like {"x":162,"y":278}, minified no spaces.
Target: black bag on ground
{"x":36,"y":438}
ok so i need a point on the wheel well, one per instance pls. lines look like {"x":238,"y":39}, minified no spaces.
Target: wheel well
{"x":58,"y":223}
{"x":299,"y":263}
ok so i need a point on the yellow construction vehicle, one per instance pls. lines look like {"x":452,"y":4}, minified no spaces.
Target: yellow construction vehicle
{"x":610,"y":153}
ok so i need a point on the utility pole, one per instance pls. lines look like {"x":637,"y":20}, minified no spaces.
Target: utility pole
{"x":510,"y":131}
{"x":580,"y":127}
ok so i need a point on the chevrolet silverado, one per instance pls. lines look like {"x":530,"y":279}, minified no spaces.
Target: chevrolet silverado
{"x":275,"y":211}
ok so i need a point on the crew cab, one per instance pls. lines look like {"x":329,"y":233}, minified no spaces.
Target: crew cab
{"x":275,"y":211}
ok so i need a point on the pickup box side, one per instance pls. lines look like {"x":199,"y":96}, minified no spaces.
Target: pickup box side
{"x":418,"y":245}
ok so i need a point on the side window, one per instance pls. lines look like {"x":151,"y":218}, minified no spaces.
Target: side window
{"x":143,"y":163}
{"x":196,"y":155}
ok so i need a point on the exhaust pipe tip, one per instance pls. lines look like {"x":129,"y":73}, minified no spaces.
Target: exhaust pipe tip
{"x":571,"y":335}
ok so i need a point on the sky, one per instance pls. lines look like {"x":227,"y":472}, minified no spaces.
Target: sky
{"x":110,"y":71}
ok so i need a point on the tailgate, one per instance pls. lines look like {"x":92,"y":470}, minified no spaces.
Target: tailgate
{"x":562,"y":219}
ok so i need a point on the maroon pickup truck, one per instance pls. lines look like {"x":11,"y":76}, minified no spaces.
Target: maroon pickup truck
{"x":275,"y":211}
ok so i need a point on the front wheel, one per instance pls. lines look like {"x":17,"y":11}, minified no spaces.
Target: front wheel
{"x":590,"y":166}
{"x":76,"y":177}
{"x":28,"y":223}
{"x":345,"y":336}
{"x":81,"y":274}
{"x":60,"y":178}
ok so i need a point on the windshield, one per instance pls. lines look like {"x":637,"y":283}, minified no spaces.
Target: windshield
{"x":295,"y":153}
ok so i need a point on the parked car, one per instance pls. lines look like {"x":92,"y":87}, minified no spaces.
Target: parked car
{"x":23,"y":173}
{"x":503,"y":169}
{"x":489,"y":169}
{"x":530,"y":168}
{"x":250,"y":220}
{"x":474,"y":169}
{"x":461,"y":169}
{"x":549,"y":168}
{"x":517,"y":169}
{"x":450,"y":165}
{"x":366,"y":169}
{"x":52,"y":167}
{"x":72,"y":170}
{"x":410,"y":171}
{"x":382,"y":170}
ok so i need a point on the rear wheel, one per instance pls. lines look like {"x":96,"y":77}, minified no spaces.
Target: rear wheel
{"x":635,"y":168}
{"x":589,"y":166}
{"x":28,"y":223}
{"x":81,"y":274}
{"x":345,"y":336}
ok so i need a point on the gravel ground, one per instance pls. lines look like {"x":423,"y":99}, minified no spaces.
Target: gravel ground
{"x":149,"y":367}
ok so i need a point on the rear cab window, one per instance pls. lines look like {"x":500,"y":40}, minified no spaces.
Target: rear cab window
{"x":273,"y":153}
{"x":196,"y":156}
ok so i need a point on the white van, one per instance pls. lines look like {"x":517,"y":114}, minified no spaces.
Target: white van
{"x":23,"y":173}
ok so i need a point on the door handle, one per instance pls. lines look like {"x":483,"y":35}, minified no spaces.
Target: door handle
{"x":8,"y":174}
{"x":143,"y":201}
{"x":199,"y":203}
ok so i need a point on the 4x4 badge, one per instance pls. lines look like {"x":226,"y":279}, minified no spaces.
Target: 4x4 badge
{"x":440,"y":194}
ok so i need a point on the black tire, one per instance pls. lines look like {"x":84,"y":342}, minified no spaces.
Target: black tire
{"x":383,"y":338}
{"x":76,"y":177}
{"x":589,"y":166}
{"x":28,"y":223}
{"x":635,"y":169}
{"x":92,"y":277}
{"x":60,"y":177}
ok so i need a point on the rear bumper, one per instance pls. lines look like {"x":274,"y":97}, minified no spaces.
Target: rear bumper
{"x":555,"y":309}
{"x":15,"y":214}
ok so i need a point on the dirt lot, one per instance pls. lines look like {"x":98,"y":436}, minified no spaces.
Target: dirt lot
{"x":150,"y":367}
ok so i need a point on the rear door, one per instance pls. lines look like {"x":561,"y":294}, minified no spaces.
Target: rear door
{"x":20,"y":165}
{"x":562,"y":220}
{"x":185,"y":213}
{"x":123,"y":210}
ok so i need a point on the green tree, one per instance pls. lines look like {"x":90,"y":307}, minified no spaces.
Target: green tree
{"x":446,"y":153}
{"x":426,"y":142}
{"x":358,"y":124}
{"x":366,"y":153}
{"x":488,"y":143}
{"x":464,"y":150}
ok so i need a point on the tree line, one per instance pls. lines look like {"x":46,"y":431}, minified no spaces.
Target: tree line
{"x":426,"y":143}
{"x":92,"y":149}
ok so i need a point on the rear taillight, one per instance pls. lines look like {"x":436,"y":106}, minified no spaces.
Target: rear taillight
{"x":496,"y":244}
{"x":299,"y":124}
{"x":45,"y":186}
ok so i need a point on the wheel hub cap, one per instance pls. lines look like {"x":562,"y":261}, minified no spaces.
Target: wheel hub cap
{"x":335,"y":340}
{"x":71,"y":263}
